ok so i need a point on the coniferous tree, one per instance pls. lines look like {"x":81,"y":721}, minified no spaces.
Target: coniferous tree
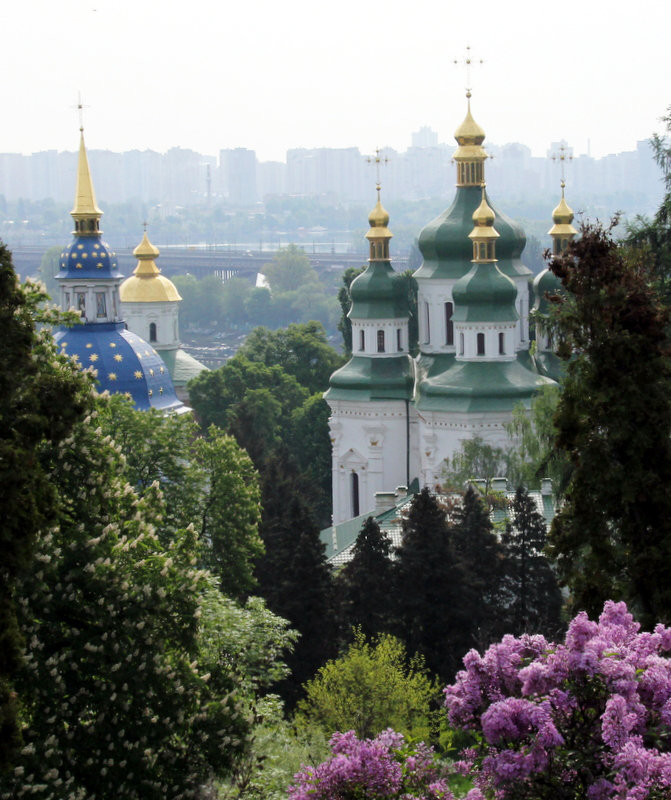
{"x":612,"y":537}
{"x":533,"y":602}
{"x":293,"y":575}
{"x":480,"y":552}
{"x":365,"y":582}
{"x":431,"y":616}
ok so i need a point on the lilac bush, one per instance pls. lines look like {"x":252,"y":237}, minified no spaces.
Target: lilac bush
{"x":372,"y":769}
{"x":589,"y":719}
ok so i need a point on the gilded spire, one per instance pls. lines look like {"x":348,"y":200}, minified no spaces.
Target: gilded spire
{"x":85,"y":212}
{"x":145,"y":253}
{"x":562,"y":232}
{"x":470,"y":155}
{"x":379,"y":234}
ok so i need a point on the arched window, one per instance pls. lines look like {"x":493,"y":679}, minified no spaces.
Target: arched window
{"x":480,"y":344}
{"x":362,"y":340}
{"x":449,"y":325}
{"x":502,"y":344}
{"x":399,"y":340}
{"x":380,"y":341}
{"x":461,"y":344}
{"x":152,"y":331}
{"x":355,"y":494}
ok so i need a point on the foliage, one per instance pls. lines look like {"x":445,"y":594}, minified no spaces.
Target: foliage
{"x":477,"y":460}
{"x":370,"y":688}
{"x":113,"y":701}
{"x":534,"y":601}
{"x":301,"y":351}
{"x":205,"y":481}
{"x":612,"y":537}
{"x":42,"y":396}
{"x":430,"y":589}
{"x":384,"y":767}
{"x":345,"y":324}
{"x":534,"y":455}
{"x":49,"y":268}
{"x":289,"y":270}
{"x":364,"y":582}
{"x":410,"y":285}
{"x":585,"y":719}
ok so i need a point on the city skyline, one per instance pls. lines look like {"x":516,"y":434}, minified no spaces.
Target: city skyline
{"x":270,"y":77}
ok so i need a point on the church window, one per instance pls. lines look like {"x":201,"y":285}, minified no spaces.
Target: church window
{"x":81,"y":301}
{"x":502,"y":344}
{"x":483,"y":250}
{"x":152,"y":331}
{"x":399,"y":340}
{"x":449,"y":325}
{"x":461,"y":344}
{"x":427,"y":335}
{"x":355,"y":494}
{"x":380,"y":341}
{"x":362,"y":340}
{"x":67,"y":300}
{"x":101,"y":305}
{"x":480,"y":339}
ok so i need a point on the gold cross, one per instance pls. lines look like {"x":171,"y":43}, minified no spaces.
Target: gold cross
{"x":377,"y":161}
{"x":80,"y":109}
{"x":562,"y":156}
{"x":468,"y":62}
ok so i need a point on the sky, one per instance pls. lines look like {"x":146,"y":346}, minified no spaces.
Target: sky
{"x":271,"y":75}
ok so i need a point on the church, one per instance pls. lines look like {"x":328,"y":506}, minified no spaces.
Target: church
{"x":396,"y":418}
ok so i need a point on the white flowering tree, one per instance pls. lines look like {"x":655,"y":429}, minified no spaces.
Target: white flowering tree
{"x":114,"y":701}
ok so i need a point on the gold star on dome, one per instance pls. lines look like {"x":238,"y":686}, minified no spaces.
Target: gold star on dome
{"x":103,"y":254}
{"x":146,"y":352}
{"x":151,"y":393}
{"x":112,"y":344}
{"x":99,"y":265}
{"x":154,"y":351}
{"x":93,"y":357}
{"x":64,"y":343}
{"x":151,"y":372}
{"x":89,"y":345}
{"x":127,"y":395}
{"x":79,"y":266}
{"x":80,"y":247}
{"x":160,"y":391}
{"x":118,"y":357}
{"x":73,"y":255}
{"x":162,"y":370}
{"x":74,"y":357}
{"x":112,"y":376}
{"x":96,"y":246}
{"x":138,"y":374}
{"x":85,"y":255}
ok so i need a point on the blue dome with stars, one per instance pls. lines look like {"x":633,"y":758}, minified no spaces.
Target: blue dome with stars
{"x":125,"y":364}
{"x":88,"y":257}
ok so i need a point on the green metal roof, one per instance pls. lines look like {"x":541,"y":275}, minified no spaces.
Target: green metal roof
{"x":181,"y":366}
{"x":378,"y":294}
{"x":445,"y":384}
{"x":545,"y":282}
{"x":448,"y":251}
{"x":484,"y":294}
{"x":368,"y":378}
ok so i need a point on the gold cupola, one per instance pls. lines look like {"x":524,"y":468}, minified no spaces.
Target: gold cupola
{"x":562,"y":232}
{"x":85,"y":212}
{"x":146,"y":284}
{"x":483,"y":235}
{"x":379,"y":234}
{"x":470,"y":155}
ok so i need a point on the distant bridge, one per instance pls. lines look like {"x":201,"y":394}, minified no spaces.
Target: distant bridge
{"x":221,"y":261}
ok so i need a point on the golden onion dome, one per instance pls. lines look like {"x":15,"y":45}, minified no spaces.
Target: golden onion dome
{"x":146,"y":284}
{"x":378,"y":219}
{"x":483,"y":218}
{"x":562,"y":216}
{"x":469,"y":132}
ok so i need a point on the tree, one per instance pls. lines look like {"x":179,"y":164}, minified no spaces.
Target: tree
{"x":49,"y":267}
{"x":612,"y":537}
{"x":476,"y":460}
{"x":534,"y":601}
{"x":370,"y":688}
{"x":478,"y":549}
{"x":113,"y":702}
{"x":364,"y":583}
{"x":289,"y":270}
{"x":42,"y":396}
{"x":432,"y":616}
{"x":345,"y":325}
{"x":293,"y":575}
{"x":301,"y":350}
{"x":208,"y":482}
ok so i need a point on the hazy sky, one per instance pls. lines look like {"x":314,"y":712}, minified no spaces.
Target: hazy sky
{"x":275,"y":74}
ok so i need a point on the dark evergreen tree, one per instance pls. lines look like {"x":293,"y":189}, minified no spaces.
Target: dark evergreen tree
{"x":481,"y":554}
{"x":293,"y":575}
{"x":431,"y":610}
{"x":344,"y":324}
{"x":533,"y":599}
{"x":612,"y":537}
{"x":365,"y":583}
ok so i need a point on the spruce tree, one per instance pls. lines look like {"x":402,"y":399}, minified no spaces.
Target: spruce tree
{"x":612,"y":537}
{"x":533,"y":602}
{"x":432,"y":618}
{"x":482,"y":556}
{"x":365,"y":582}
{"x":293,"y":575}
